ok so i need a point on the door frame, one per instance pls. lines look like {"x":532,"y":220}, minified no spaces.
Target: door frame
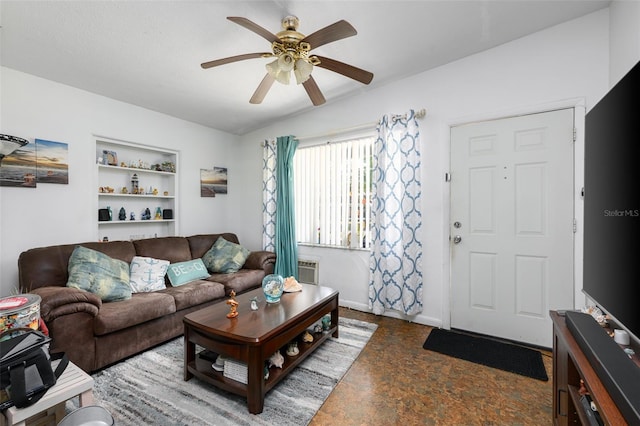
{"x":579,"y":107}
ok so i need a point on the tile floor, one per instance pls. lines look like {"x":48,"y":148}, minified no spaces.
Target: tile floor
{"x":396,"y":382}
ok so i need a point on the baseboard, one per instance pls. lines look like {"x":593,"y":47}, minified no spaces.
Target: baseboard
{"x":418,"y":319}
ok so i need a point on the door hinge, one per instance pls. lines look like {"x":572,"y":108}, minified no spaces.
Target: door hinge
{"x":575,"y":225}
{"x":575,"y":134}
{"x":447,"y":177}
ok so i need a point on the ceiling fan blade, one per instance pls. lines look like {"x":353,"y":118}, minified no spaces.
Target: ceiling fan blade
{"x":345,"y":69}
{"x":252,"y":26}
{"x":338,"y":31}
{"x":231,"y":59}
{"x":316,"y":96}
{"x":262,"y":89}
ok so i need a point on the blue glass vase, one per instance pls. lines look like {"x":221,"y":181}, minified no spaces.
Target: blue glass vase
{"x":273,"y":286}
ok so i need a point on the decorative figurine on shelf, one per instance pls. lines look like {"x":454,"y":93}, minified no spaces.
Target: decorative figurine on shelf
{"x":326,"y":322}
{"x":276,"y":360}
{"x":146,"y":214}
{"x":292,"y":348}
{"x":317,"y":328}
{"x":110,"y":213}
{"x":254,"y":304}
{"x":158,"y":213}
{"x":168,"y":166}
{"x":307,"y":337}
{"x":124,"y":190}
{"x":134,"y":183}
{"x":122,"y":215}
{"x":233,"y":305}
{"x":155,"y":191}
{"x":132,"y":216}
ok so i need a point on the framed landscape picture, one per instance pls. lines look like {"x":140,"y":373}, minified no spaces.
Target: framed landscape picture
{"x":19,"y":168}
{"x":53,"y":162}
{"x":213,"y":181}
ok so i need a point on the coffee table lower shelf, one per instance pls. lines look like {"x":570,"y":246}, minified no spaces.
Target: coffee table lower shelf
{"x":202,"y":369}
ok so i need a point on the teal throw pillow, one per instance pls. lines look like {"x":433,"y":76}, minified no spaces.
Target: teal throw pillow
{"x":97,"y":273}
{"x":225,"y":257}
{"x":184,"y":272}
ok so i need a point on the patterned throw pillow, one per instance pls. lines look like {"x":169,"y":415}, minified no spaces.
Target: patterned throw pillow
{"x":225,"y":257}
{"x":147,"y":274}
{"x":99,"y":274}
{"x":185,"y":272}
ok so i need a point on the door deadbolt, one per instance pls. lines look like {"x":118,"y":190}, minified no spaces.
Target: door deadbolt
{"x":457,"y":225}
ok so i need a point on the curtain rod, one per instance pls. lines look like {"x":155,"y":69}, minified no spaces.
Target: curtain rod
{"x":419,"y":115}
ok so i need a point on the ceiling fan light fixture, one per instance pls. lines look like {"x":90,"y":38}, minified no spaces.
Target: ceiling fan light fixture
{"x":286,"y":62}
{"x":302,"y":70}
{"x":283,"y":77}
{"x":273,"y":68}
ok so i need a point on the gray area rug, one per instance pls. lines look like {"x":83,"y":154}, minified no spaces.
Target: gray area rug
{"x":148,"y":389}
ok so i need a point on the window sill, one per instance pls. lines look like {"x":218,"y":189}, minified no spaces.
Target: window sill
{"x":324,"y":246}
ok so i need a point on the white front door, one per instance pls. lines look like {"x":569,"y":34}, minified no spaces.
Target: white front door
{"x":511,"y":225}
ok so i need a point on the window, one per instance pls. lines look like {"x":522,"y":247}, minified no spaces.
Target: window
{"x":332,"y":193}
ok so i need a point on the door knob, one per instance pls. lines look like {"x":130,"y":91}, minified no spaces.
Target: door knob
{"x":457,"y":239}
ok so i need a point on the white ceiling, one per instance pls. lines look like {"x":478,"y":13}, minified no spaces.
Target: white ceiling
{"x":148,"y":53}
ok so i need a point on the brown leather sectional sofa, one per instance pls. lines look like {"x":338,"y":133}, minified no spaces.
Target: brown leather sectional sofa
{"x":95,"y":334}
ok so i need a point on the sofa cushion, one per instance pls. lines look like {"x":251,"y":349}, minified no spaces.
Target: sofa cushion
{"x":225,"y":257}
{"x":142,"y":307}
{"x":97,"y":273}
{"x":173,"y":249}
{"x":201,"y":243}
{"x":195,"y":293}
{"x":147,"y":274}
{"x":185,"y":272}
{"x":243,"y":280}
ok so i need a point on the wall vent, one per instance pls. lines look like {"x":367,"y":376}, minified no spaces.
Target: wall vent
{"x":308,"y":271}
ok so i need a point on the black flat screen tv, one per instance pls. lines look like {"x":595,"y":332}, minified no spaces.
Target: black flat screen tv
{"x":612,"y":203}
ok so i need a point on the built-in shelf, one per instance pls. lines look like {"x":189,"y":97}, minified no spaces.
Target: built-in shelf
{"x":109,"y":194}
{"x":135,"y":222}
{"x":134,"y":170}
{"x":119,"y":180}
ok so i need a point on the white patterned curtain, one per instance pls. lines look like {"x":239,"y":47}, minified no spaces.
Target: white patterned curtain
{"x":396,"y":250}
{"x":269,"y":195}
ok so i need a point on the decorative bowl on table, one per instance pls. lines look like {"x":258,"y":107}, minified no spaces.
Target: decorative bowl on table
{"x":273,"y":286}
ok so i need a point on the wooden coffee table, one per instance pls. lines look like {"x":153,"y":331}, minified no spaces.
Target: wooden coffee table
{"x":253,"y":336}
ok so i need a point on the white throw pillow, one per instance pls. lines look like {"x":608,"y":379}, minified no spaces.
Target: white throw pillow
{"x":147,"y":274}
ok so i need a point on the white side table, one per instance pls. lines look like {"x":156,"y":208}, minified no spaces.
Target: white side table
{"x":51,"y":408}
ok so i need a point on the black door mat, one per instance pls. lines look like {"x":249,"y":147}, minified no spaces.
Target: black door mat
{"x":504,"y":356}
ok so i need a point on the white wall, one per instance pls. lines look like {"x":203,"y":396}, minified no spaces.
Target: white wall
{"x":54,"y":214}
{"x":624,"y":43}
{"x":563,"y":62}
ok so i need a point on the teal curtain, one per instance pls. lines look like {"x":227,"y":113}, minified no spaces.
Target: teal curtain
{"x":286,"y":246}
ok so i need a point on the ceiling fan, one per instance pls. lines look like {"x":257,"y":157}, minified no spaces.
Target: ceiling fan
{"x":292,"y":52}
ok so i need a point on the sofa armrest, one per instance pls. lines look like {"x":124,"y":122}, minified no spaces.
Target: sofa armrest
{"x":59,"y":301}
{"x":261,"y":259}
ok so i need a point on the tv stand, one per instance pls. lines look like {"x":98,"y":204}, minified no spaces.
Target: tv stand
{"x":570,"y":365}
